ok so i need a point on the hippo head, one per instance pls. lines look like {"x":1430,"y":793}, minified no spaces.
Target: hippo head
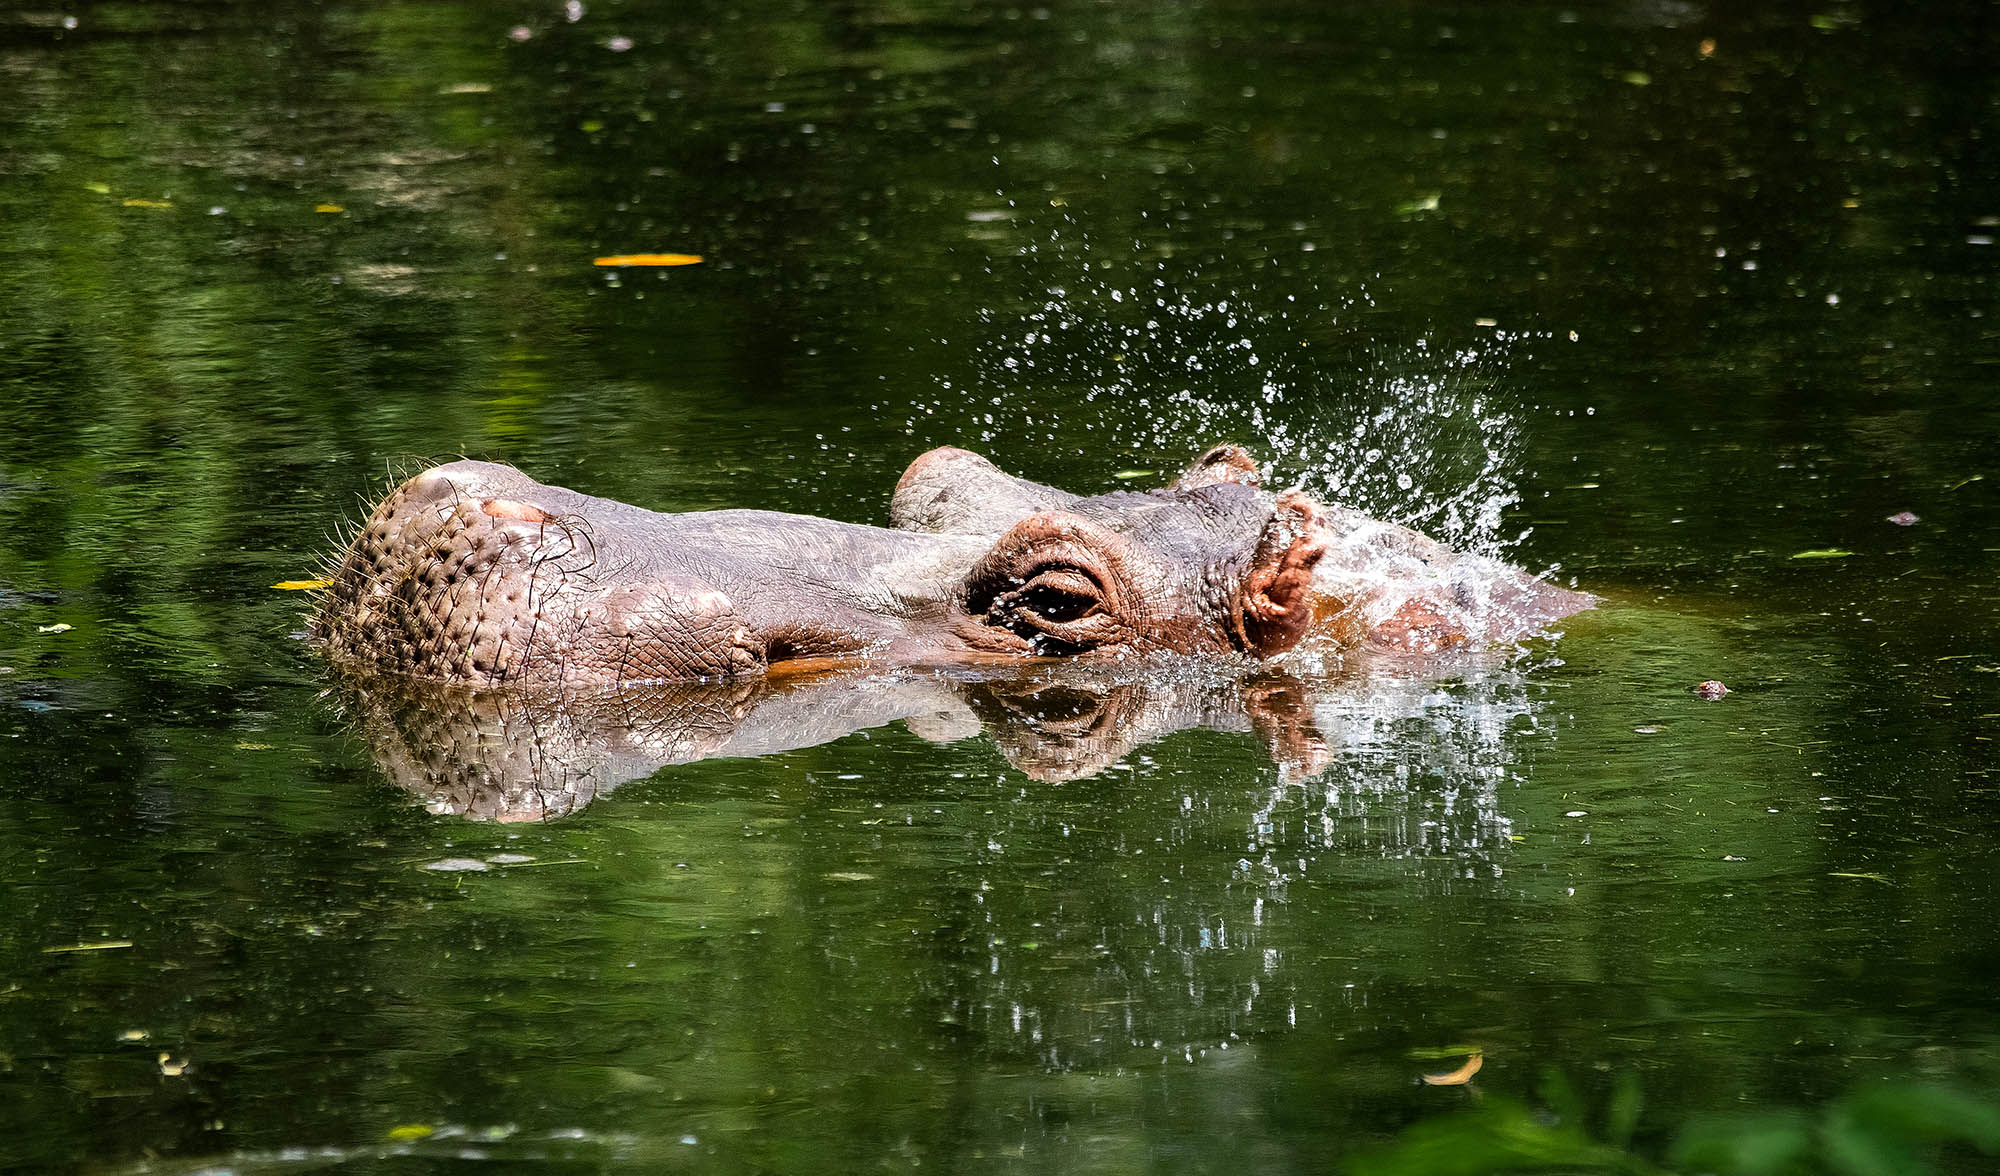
{"x":1275,"y":569}
{"x":1207,"y":570}
{"x":475,"y":572}
{"x":1209,"y":564}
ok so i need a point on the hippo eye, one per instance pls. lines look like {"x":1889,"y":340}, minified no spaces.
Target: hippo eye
{"x":1052,"y":586}
{"x":1058,"y":595}
{"x":1053,"y":609}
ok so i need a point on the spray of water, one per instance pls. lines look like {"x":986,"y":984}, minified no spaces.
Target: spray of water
{"x":1122,"y":359}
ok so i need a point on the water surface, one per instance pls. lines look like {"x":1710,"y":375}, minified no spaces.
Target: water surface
{"x":1679,"y":302}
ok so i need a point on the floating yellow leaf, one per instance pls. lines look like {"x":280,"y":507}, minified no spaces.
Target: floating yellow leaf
{"x":100,"y":188}
{"x":58,"y":627}
{"x":1458,"y":1077}
{"x":100,"y":945}
{"x":633,"y":259}
{"x":302,"y":585}
{"x":1128,"y":475}
{"x":328,"y":208}
{"x":135,"y":202}
{"x":1824,"y":553}
{"x":412,"y":1131}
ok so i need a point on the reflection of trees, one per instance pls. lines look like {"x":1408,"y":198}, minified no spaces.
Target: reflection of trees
{"x":1408,"y":770}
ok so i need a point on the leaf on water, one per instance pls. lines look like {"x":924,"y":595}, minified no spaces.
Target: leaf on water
{"x":100,"y":945}
{"x":1460,"y":1076}
{"x":328,"y":208}
{"x":1128,"y":475}
{"x":135,"y":202}
{"x":302,"y":585}
{"x":58,"y":627}
{"x":1637,"y":77}
{"x":1824,"y":553}
{"x":458,"y":866}
{"x":409,"y":1131}
{"x":1868,"y":877}
{"x":639,"y":259}
{"x":100,"y":188}
{"x":1428,"y":202}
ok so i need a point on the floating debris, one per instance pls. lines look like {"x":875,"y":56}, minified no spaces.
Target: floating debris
{"x":624,"y":260}
{"x":1710,"y":690}
{"x":1460,"y":1076}
{"x":1903,"y":518}
{"x":458,"y":865}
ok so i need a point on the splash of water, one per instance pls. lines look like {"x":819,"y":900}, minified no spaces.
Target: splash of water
{"x":1421,"y":435}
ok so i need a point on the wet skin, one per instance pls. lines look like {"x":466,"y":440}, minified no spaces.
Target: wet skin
{"x":475,"y":573}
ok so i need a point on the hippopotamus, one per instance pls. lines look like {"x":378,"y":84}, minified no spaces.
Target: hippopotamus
{"x":475,"y":573}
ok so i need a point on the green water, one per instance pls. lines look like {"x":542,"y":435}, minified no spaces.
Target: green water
{"x":1681,"y":294}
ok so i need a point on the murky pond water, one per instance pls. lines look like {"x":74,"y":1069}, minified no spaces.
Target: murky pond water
{"x":1681,"y":302}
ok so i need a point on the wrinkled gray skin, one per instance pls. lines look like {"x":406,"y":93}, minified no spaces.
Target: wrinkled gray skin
{"x":475,"y":573}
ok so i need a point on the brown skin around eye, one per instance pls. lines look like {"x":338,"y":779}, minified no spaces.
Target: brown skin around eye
{"x":1059,"y":610}
{"x":1053,"y":584}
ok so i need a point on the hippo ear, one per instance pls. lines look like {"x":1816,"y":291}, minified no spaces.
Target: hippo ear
{"x":1222,"y":463}
{"x":1273,"y":604}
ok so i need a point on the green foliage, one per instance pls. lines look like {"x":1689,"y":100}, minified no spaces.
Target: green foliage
{"x":1891,"y":1130}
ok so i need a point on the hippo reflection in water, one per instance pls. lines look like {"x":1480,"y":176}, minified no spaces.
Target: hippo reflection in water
{"x":525,"y":754}
{"x":474,"y":573}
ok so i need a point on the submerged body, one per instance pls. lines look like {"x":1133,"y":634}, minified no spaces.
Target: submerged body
{"x":473,"y":572}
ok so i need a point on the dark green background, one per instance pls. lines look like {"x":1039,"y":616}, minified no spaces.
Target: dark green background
{"x":1680,"y":314}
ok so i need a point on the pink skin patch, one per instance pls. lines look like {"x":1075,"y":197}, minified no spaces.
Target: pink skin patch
{"x":507,"y":508}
